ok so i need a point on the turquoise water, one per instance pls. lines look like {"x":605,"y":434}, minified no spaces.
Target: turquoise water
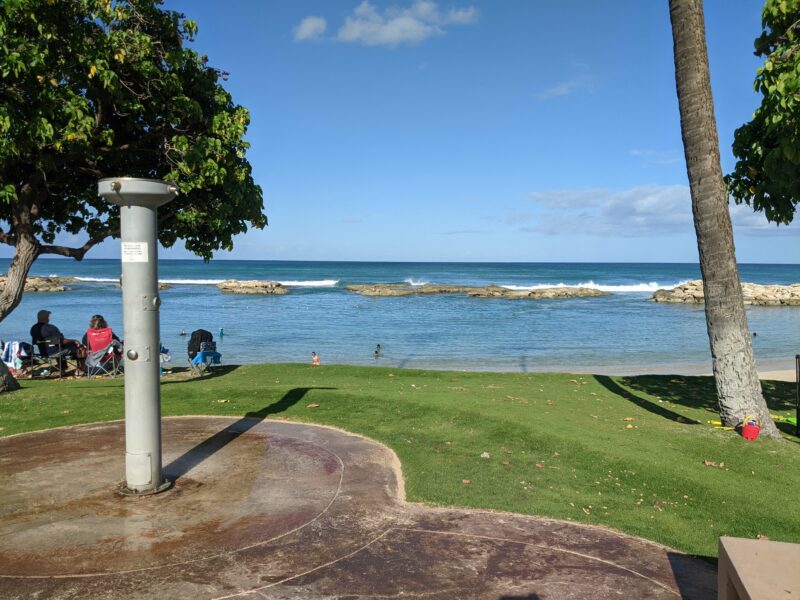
{"x":623,"y":332}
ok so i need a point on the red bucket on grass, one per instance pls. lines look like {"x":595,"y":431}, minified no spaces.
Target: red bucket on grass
{"x":751,"y":428}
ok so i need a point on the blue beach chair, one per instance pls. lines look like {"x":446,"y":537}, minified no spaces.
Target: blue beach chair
{"x":206,"y":358}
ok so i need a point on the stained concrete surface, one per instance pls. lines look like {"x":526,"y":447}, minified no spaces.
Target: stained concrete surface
{"x":269,"y":509}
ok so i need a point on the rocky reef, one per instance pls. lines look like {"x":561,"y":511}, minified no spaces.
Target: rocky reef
{"x":489,"y":291}
{"x":233,"y":286}
{"x":754,"y":294}
{"x":43,"y":284}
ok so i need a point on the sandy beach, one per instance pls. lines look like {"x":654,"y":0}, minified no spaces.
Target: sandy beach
{"x":785,"y":375}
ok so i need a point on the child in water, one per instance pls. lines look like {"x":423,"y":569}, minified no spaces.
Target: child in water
{"x":314,"y":359}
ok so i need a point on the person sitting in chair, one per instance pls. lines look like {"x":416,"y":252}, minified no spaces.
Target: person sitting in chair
{"x":100,"y":335}
{"x":104,"y":346}
{"x":43,"y":331}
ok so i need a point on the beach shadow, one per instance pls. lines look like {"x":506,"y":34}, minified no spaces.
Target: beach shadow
{"x":701,"y":392}
{"x":205,"y":449}
{"x":212,"y":373}
{"x":616,"y":389}
{"x":696,"y":576}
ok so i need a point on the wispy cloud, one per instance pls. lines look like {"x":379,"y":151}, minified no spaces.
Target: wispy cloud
{"x":310,"y":28}
{"x":460,"y":232}
{"x":642,"y":211}
{"x":748,"y":222}
{"x":580,"y":80}
{"x":394,"y":26}
{"x":568,"y":198}
{"x":655,"y":157}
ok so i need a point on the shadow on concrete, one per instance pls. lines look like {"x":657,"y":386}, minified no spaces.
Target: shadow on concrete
{"x":694,"y":579}
{"x":205,"y":449}
{"x":613,"y":387}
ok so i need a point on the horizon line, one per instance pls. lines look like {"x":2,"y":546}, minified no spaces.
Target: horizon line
{"x":487,"y":262}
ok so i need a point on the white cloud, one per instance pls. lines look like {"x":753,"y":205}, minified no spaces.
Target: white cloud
{"x":581,"y":80}
{"x":642,"y":211}
{"x":394,"y":26}
{"x":310,"y":28}
{"x":748,"y":222}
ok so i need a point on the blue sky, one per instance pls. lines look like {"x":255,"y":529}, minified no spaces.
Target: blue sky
{"x":476,"y":131}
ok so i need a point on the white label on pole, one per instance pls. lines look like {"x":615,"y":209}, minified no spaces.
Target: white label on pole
{"x":134,"y":251}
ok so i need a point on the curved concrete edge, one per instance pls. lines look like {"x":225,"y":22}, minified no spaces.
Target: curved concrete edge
{"x":374,"y":541}
{"x":397,"y":467}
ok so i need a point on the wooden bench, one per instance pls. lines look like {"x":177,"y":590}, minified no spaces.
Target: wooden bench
{"x":758,"y":570}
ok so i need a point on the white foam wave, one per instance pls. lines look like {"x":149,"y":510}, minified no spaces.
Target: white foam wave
{"x":415,"y":283}
{"x":191,"y":281}
{"x":317,"y":283}
{"x":172,"y":281}
{"x":98,"y":279}
{"x":651,"y":286}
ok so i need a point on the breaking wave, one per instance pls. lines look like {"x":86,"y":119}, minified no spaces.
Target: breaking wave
{"x":634,"y":287}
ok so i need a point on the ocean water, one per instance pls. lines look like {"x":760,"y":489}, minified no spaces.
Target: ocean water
{"x":620,"y":333}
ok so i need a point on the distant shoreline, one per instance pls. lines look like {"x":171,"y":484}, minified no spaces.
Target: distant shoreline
{"x":406,"y":262}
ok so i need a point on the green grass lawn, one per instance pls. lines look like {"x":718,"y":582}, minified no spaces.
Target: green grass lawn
{"x":624,"y":452}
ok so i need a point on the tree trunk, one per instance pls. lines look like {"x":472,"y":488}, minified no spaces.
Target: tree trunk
{"x":738,"y":388}
{"x":26,"y":250}
{"x":25,"y":253}
{"x":7,"y":381}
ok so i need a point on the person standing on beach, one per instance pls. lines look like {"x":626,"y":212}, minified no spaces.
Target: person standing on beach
{"x":314,"y":360}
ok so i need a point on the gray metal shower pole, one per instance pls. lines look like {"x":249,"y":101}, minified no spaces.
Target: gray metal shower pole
{"x":138,"y":200}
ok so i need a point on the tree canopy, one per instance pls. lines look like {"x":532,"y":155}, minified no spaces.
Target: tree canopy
{"x":767,"y":174}
{"x":102,"y":88}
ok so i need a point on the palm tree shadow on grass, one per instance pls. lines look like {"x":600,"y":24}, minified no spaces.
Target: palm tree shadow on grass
{"x":205,"y":449}
{"x":616,"y":389}
{"x":696,"y":392}
{"x":700,"y":392}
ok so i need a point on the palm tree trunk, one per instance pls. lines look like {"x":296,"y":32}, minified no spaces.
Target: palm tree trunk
{"x":738,"y":388}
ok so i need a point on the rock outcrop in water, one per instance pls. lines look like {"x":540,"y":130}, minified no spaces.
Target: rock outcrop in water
{"x":234,"y":286}
{"x":494,"y":291}
{"x":489,"y":291}
{"x":754,"y":294}
{"x":43,"y":284}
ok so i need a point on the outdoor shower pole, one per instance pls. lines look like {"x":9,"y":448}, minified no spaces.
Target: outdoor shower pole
{"x":138,"y":200}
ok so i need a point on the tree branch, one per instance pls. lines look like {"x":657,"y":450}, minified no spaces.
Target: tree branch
{"x":8,"y":238}
{"x":79,"y":253}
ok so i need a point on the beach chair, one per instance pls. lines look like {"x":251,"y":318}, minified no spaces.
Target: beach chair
{"x":17,"y":357}
{"x":206,"y":358}
{"x":51,"y":358}
{"x":105,"y":353}
{"x":106,"y":361}
{"x":164,"y":357}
